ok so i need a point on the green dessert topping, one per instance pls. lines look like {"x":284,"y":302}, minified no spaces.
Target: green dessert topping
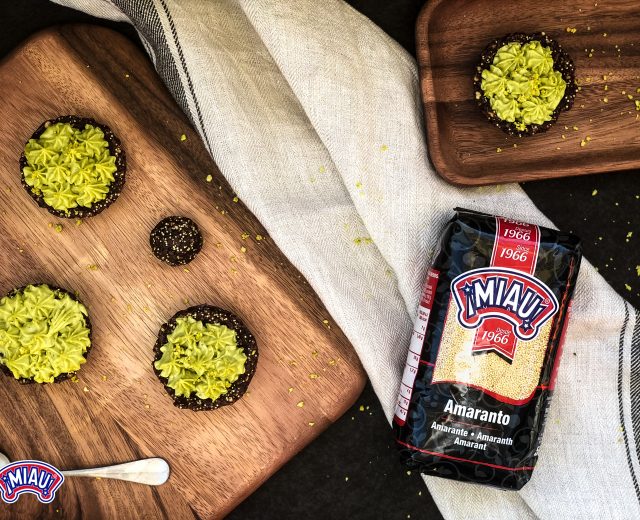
{"x":201,"y":358}
{"x":521,"y":84}
{"x":43,"y":333}
{"x":69,"y":167}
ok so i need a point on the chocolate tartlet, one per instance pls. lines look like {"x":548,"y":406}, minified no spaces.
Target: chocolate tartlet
{"x":205,"y":357}
{"x":45,"y":334}
{"x":176,"y":240}
{"x":73,"y":166}
{"x":523,"y":82}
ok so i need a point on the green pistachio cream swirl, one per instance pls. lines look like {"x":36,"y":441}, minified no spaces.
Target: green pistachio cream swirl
{"x":69,"y":167}
{"x":521,"y":84}
{"x":44,"y":333}
{"x":201,"y":359}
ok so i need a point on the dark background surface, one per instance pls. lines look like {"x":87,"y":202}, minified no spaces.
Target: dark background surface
{"x":352,"y":470}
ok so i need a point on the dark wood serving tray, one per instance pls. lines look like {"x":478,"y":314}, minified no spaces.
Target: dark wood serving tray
{"x":463,"y":145}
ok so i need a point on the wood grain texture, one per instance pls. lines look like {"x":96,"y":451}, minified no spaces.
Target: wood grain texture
{"x":119,"y":411}
{"x":450,"y":37}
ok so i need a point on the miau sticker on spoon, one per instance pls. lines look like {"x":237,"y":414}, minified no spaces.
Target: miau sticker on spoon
{"x":29,"y":476}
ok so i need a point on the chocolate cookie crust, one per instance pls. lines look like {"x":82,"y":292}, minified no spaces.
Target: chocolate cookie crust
{"x":245,"y":340}
{"x":115,"y":187}
{"x":87,"y":321}
{"x":562,"y":62}
{"x":176,"y":240}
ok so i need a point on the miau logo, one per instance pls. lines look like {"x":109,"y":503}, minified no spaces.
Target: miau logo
{"x":520,"y":300}
{"x":29,"y":476}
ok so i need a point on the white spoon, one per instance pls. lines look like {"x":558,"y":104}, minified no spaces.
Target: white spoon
{"x":153,"y":471}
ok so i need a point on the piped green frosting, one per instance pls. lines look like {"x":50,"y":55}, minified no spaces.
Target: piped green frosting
{"x":201,"y":358}
{"x":522,"y":85}
{"x":69,"y":167}
{"x":43,"y":333}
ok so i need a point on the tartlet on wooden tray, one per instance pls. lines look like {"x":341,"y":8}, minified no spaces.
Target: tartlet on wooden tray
{"x":523,"y":82}
{"x":205,"y":357}
{"x":73,"y":166}
{"x":45,"y":334}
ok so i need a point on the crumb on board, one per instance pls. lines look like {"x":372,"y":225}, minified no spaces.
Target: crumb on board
{"x":209,"y":178}
{"x":183,"y":137}
{"x":300,"y":404}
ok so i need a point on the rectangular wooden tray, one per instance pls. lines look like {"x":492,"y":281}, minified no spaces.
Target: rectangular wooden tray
{"x":463,"y":145}
{"x":118,"y":410}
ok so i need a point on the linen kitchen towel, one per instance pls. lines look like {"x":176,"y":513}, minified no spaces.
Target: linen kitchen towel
{"x":313,"y":115}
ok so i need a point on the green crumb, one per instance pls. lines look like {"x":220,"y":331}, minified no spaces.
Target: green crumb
{"x":235,"y":199}
{"x":58,"y":228}
{"x":183,"y":137}
{"x":498,"y":150}
{"x":358,"y":185}
{"x":201,"y":358}
{"x":521,"y":85}
{"x":69,"y":167}
{"x":384,"y":148}
{"x":594,"y":193}
{"x":361,"y":408}
{"x":627,"y":287}
{"x":209,"y":178}
{"x":638,"y":270}
{"x":43,"y":333}
{"x":322,"y":169}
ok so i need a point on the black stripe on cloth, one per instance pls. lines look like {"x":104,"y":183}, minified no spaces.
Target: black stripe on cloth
{"x":620,"y":393}
{"x":145,"y":18}
{"x":186,"y":73}
{"x":634,"y":384}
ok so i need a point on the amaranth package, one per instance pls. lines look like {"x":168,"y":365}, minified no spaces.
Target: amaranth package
{"x":485,"y":350}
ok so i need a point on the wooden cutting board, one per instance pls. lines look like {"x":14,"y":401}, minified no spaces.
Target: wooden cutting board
{"x":464,"y":146}
{"x":118,"y":410}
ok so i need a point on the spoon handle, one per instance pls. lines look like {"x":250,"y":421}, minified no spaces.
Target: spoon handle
{"x":153,"y":471}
